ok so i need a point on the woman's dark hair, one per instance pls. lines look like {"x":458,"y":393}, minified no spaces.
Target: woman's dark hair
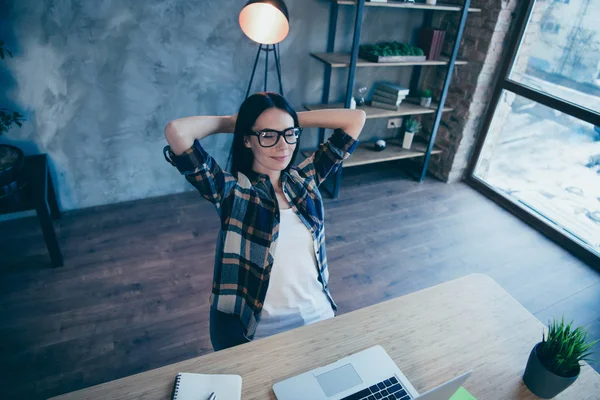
{"x":241,"y":156}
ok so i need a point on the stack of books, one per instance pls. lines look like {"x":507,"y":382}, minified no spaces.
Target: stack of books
{"x":388,"y":96}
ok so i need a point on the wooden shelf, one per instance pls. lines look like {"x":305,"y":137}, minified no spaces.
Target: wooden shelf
{"x":406,"y":108}
{"x":340,"y":60}
{"x":364,"y":153}
{"x":398,"y":4}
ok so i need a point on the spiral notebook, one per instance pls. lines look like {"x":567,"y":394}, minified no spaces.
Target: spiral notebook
{"x":199,"y":386}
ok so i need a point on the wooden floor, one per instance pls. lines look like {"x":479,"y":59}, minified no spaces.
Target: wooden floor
{"x":133,"y":293}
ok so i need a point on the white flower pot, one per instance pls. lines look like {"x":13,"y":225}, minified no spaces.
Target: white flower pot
{"x":408,"y":138}
{"x":431,"y":2}
{"x":425,"y":101}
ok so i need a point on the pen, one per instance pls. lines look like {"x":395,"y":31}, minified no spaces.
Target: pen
{"x":212,"y":396}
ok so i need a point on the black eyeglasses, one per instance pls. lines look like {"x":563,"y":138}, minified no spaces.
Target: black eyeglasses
{"x":270,"y":137}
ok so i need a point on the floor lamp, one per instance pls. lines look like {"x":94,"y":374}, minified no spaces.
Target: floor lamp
{"x":267,"y":23}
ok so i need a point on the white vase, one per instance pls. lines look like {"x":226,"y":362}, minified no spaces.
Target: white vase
{"x":408,"y":138}
{"x":425,"y":101}
{"x":431,"y":2}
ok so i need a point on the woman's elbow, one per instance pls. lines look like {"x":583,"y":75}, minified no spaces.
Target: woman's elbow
{"x":175,"y":138}
{"x":171,"y":130}
{"x":362,"y":117}
{"x":358,"y":122}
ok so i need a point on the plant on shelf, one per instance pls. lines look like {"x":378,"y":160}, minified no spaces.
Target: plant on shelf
{"x":426,"y":98}
{"x":555,"y":362}
{"x":412,"y":126}
{"x":389,"y":49}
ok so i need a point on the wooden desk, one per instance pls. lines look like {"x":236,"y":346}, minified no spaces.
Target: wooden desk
{"x":433,"y":335}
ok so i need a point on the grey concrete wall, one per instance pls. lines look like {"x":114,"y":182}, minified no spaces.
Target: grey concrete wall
{"x":98,"y":81}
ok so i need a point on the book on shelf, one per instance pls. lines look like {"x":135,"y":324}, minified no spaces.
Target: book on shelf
{"x":392,"y":88}
{"x":385,"y":106}
{"x":386,"y":100}
{"x":438,"y":43}
{"x":432,"y":41}
{"x":427,"y":41}
{"x":389,"y":95}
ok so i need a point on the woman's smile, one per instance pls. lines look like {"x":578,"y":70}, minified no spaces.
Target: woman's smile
{"x":281,"y":159}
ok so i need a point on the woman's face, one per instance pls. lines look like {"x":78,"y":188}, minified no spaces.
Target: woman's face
{"x":274,"y":158}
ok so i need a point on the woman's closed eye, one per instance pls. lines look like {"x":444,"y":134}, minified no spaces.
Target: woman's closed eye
{"x":273,"y":132}
{"x":268,"y":134}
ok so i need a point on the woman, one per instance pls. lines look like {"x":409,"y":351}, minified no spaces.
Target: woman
{"x":270,"y":271}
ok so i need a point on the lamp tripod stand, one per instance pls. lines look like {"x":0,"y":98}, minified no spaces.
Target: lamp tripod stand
{"x":267,"y":48}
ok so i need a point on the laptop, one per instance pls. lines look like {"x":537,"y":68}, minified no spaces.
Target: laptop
{"x":367,"y":375}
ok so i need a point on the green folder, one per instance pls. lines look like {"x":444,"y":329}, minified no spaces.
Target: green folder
{"x":462,"y":394}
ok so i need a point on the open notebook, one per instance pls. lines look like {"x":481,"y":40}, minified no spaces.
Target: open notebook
{"x":198,"y":386}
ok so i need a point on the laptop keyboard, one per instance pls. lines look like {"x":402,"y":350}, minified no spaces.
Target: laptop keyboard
{"x":389,"y":389}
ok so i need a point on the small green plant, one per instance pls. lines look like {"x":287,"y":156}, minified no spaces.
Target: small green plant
{"x":7,"y":117}
{"x":426,"y":93}
{"x":564,"y":348}
{"x":391,"y":49}
{"x":412,"y":125}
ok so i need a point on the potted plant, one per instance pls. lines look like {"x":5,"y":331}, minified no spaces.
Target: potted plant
{"x":412,"y":127}
{"x":391,"y":52}
{"x":12,"y":158}
{"x":554,"y":363}
{"x":426,"y":98}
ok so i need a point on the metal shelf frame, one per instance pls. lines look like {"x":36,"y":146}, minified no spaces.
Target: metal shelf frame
{"x":415,"y":78}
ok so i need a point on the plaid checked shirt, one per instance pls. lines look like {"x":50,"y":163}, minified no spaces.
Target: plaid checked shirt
{"x":249,"y":214}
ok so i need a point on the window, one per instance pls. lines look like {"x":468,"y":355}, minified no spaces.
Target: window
{"x":561,"y":60}
{"x":546,"y":161}
{"x":541,"y":150}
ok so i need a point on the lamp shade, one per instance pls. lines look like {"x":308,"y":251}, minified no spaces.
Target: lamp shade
{"x":265,"y":21}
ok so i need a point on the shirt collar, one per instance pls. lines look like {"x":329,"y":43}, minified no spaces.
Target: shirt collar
{"x":256,"y":177}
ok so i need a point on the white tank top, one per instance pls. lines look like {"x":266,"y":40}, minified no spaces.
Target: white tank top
{"x":295,"y":297}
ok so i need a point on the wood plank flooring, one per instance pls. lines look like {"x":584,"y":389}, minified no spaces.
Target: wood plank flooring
{"x":133,"y":294}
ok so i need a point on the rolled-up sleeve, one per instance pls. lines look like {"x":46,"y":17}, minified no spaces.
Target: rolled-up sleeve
{"x":203,"y":172}
{"x":328,"y":157}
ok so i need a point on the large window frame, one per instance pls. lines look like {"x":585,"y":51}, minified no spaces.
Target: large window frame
{"x":504,"y":83}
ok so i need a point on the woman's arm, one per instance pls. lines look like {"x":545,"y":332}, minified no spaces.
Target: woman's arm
{"x":347,"y":125}
{"x":350,"y":121}
{"x":192,"y":161}
{"x":182,"y":132}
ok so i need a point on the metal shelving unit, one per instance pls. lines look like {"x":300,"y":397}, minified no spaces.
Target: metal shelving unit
{"x":351,"y":61}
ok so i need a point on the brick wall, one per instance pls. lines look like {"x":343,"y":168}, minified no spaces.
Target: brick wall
{"x":483,"y":45}
{"x":505,"y":103}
